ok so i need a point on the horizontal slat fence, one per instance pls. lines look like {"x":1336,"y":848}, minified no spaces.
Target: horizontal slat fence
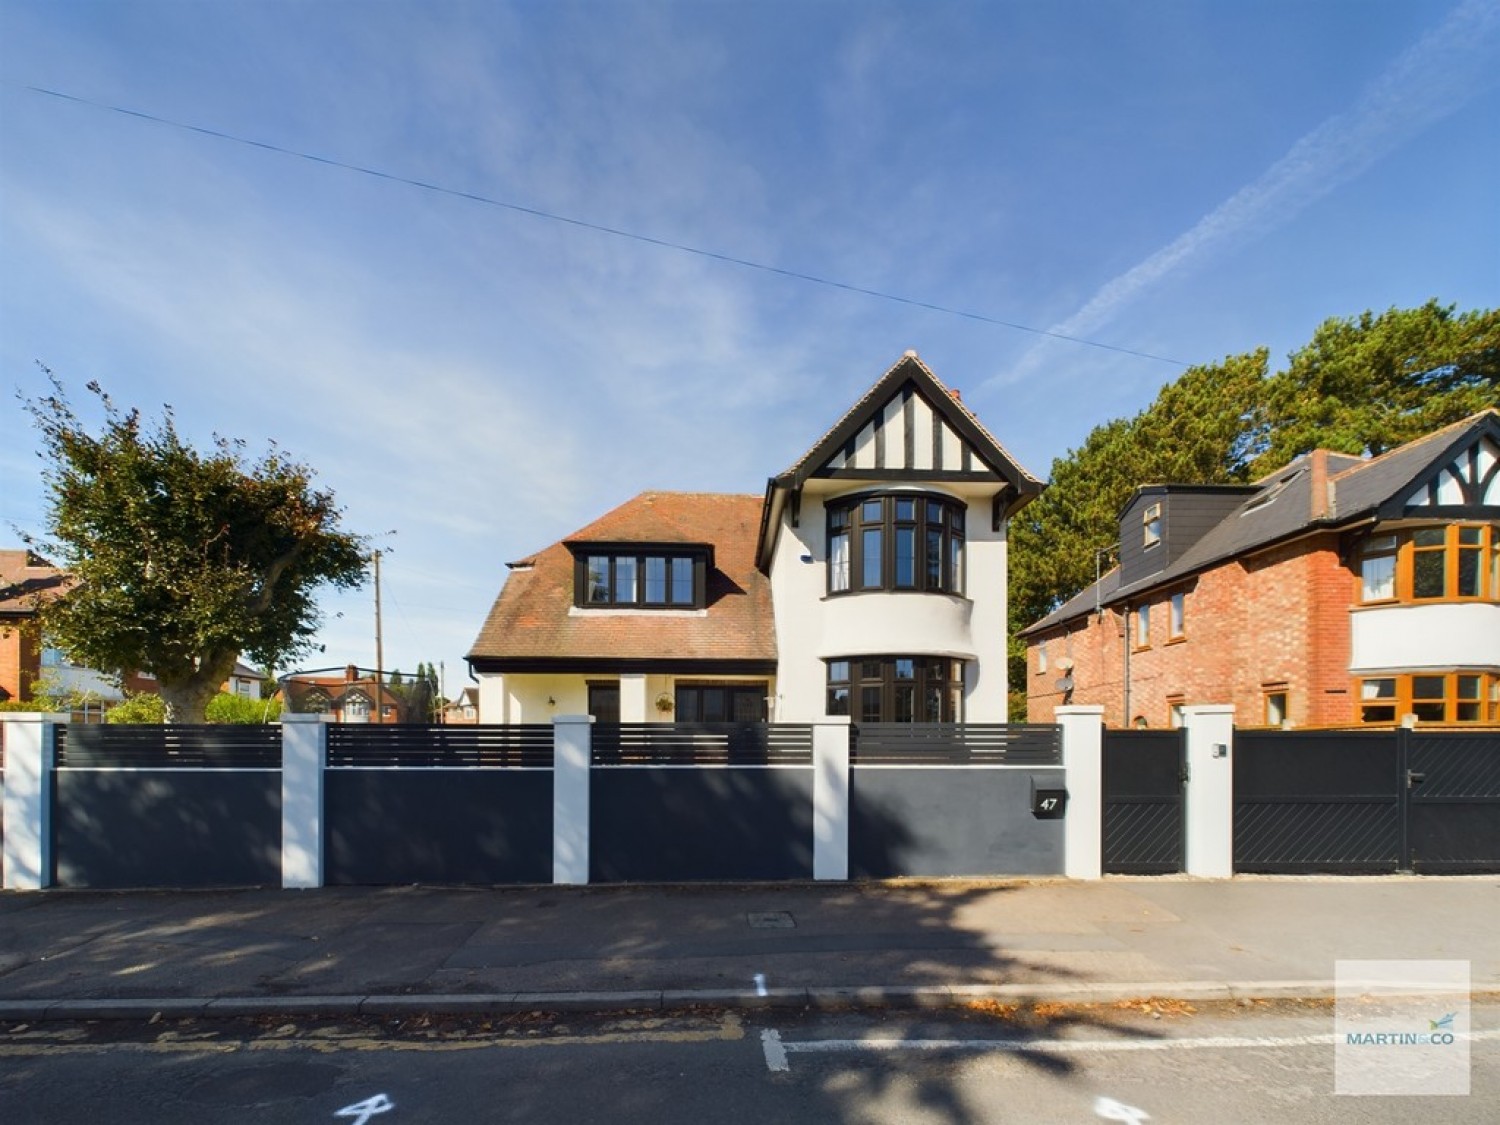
{"x":956,"y":744}
{"x":702,"y":744}
{"x":414,"y":746}
{"x":149,"y":746}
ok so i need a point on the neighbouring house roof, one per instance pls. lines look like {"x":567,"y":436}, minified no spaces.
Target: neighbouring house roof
{"x":1318,"y":491}
{"x":25,"y":578}
{"x":535,"y":626}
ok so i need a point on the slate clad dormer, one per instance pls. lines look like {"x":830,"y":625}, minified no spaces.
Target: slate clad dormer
{"x":1162,"y":521}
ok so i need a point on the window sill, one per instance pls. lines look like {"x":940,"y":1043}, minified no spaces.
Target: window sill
{"x":1176,"y":640}
{"x":835,"y":595}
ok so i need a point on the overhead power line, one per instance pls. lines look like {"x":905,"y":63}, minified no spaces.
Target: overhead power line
{"x":601,"y":228}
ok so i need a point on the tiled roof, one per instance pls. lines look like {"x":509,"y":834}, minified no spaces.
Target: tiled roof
{"x":1284,"y":507}
{"x":23,"y":579}
{"x":534,"y":618}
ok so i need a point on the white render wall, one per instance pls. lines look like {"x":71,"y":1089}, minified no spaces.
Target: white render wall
{"x":537,"y":698}
{"x":1414,"y":637}
{"x":811,"y":626}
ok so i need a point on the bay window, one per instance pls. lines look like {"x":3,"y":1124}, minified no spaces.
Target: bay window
{"x":897,"y":689}
{"x":896,"y":542}
{"x":1453,"y":562}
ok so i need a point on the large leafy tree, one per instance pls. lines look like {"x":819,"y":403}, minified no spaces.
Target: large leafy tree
{"x":1362,"y":385}
{"x":182,"y":560}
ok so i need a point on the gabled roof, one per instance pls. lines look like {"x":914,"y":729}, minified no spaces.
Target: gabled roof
{"x":24,"y":579}
{"x":855,"y":449}
{"x":1318,"y":491}
{"x":534,"y":624}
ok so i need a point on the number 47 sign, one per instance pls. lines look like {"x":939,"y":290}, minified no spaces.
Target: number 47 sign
{"x":363,"y":1111}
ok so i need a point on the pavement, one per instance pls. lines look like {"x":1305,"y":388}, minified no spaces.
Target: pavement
{"x":69,"y":954}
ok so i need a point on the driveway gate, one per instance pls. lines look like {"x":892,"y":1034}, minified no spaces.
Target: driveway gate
{"x":1366,"y":801}
{"x":1144,"y":772}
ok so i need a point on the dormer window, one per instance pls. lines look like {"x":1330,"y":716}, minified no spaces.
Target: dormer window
{"x":1151,"y":525}
{"x":645,"y":578}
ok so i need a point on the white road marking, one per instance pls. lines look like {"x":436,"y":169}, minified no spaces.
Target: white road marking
{"x":760,"y":984}
{"x":1111,"y":1110}
{"x":770,"y":1042}
{"x":1052,"y":1046}
{"x":363,"y":1111}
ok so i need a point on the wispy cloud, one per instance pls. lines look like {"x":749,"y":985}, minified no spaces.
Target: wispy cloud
{"x":1446,"y":68}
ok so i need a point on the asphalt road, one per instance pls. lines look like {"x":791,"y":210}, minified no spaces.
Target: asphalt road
{"x":1167,"y":1062}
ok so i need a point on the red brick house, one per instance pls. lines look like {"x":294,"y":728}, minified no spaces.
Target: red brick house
{"x":1336,"y":591}
{"x":24,"y":579}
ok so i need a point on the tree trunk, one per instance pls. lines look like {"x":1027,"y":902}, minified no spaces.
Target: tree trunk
{"x":187,"y":700}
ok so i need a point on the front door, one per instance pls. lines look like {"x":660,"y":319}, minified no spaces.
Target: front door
{"x":604,"y":702}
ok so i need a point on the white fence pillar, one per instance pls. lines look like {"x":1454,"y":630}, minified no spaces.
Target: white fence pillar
{"x":304,"y":758}
{"x":572,"y":747}
{"x":1083,"y":767}
{"x":30,"y":755}
{"x":831,"y":798}
{"x":1209,"y":820}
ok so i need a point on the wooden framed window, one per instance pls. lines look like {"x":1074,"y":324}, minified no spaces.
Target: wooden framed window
{"x":1176,"y":616}
{"x":1151,"y":526}
{"x":1143,"y":626}
{"x":1274,"y":711}
{"x":1432,"y":697}
{"x":646,"y":578}
{"x":725,"y":702}
{"x":1451,"y":562}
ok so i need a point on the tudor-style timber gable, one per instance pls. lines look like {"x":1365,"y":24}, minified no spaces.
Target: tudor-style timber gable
{"x":909,"y":428}
{"x":1464,"y":485}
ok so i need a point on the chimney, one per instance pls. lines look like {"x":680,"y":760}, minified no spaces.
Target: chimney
{"x":1320,"y":491}
{"x":957,"y":395}
{"x":351,"y":674}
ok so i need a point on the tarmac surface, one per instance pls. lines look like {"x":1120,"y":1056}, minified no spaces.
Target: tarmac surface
{"x":68,"y":954}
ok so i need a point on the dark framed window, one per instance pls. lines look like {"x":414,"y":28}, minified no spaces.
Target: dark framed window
{"x":721,"y":702}
{"x":648,"y":579}
{"x":897,"y":689}
{"x":896,"y":541}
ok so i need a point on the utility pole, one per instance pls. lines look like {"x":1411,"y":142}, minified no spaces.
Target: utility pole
{"x":379,"y":650}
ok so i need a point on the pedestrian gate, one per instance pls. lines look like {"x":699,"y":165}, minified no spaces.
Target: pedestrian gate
{"x":1144,"y":772}
{"x":1367,"y":801}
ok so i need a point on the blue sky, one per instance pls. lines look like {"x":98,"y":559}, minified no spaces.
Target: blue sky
{"x":1186,"y":180}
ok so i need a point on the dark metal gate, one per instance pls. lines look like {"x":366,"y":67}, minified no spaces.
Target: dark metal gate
{"x":1144,"y":772}
{"x":1366,"y":801}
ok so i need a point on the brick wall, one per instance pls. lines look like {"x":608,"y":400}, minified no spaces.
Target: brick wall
{"x":1279,"y":621}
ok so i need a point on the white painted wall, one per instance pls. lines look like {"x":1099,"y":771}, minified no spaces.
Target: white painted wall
{"x":524,"y":698}
{"x":1414,"y":637}
{"x":811,"y":626}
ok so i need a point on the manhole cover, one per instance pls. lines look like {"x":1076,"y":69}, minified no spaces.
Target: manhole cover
{"x":771,"y":920}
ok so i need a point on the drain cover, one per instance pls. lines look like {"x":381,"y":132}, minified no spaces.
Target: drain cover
{"x":771,"y":920}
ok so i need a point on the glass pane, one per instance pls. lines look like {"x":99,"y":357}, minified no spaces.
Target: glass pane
{"x":687,"y":705}
{"x":905,"y":699}
{"x":869,"y":705}
{"x":714,"y":705}
{"x":932,"y":703}
{"x":906,"y":557}
{"x":1428,"y":537}
{"x":1427,"y":687}
{"x":749,"y":706}
{"x":1377,"y":713}
{"x":956,"y":565}
{"x":956,"y":518}
{"x":1380,"y":543}
{"x":869,"y":670}
{"x":869,"y":512}
{"x":1469,"y":568}
{"x":682,"y":581}
{"x":1143,"y":625}
{"x":955,"y":705}
{"x":906,"y":509}
{"x":1468,"y":687}
{"x":870,"y":565}
{"x":1428,"y":712}
{"x":625,"y":579}
{"x":656,"y":580}
{"x":906,"y":668}
{"x":1467,"y":713}
{"x":934,"y":559}
{"x":1378,"y":689}
{"x":838,"y":562}
{"x":1276,"y":708}
{"x":598,"y":580}
{"x":1378,"y":576}
{"x":839,"y":518}
{"x":1469,"y":536}
{"x":838,"y":671}
{"x":838,"y":701}
{"x":1427,"y":574}
{"x":1176,"y":615}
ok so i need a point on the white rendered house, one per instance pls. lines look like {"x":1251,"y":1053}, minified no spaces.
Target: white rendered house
{"x":870,"y":580}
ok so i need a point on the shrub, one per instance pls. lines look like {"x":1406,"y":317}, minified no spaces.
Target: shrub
{"x":227,"y":708}
{"x":142,"y":707}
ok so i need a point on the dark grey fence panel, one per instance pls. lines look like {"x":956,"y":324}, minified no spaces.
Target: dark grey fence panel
{"x":155,"y":746}
{"x":950,"y":821}
{"x":416,"y":746}
{"x":1143,"y":810}
{"x":1317,"y":801}
{"x":166,"y":828}
{"x":958,"y":744}
{"x":663,"y":824}
{"x":477,"y":826}
{"x":746,"y":744}
{"x":1453,"y":801}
